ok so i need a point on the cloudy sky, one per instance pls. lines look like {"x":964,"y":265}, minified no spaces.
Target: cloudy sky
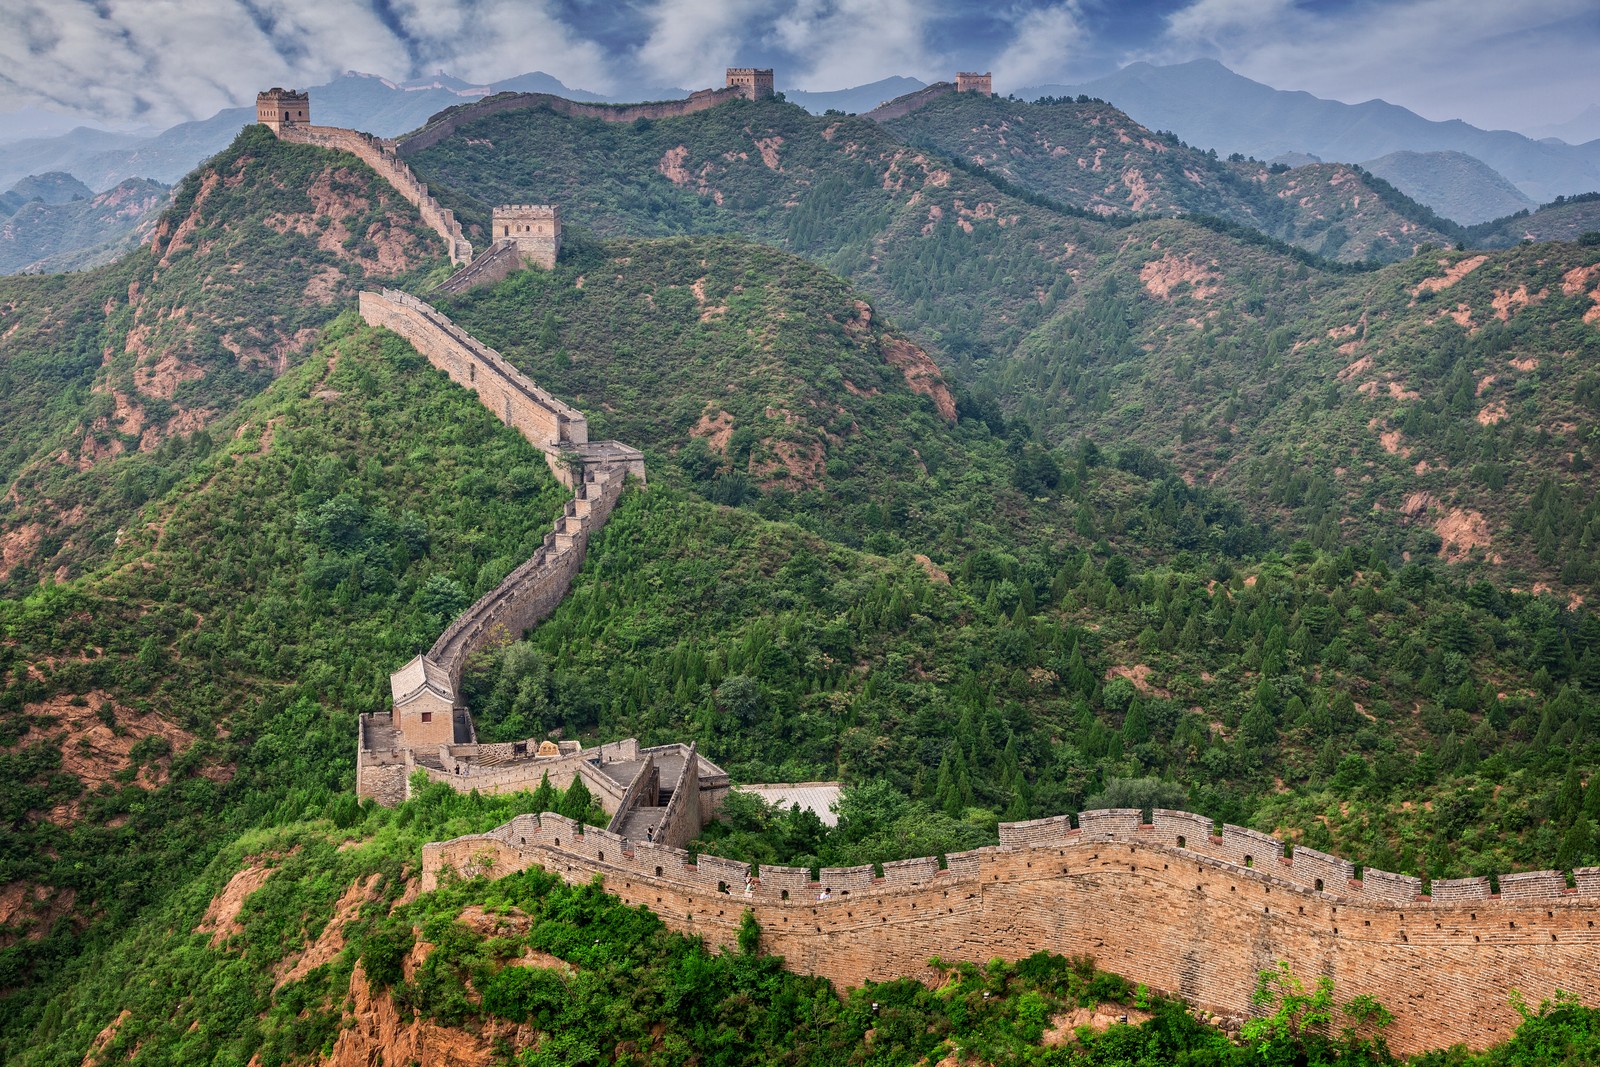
{"x":1495,"y":63}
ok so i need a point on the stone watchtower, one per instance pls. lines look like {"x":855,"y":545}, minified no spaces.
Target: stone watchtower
{"x":277,"y":108}
{"x":534,"y":228}
{"x":753,"y":83}
{"x":968,"y":82}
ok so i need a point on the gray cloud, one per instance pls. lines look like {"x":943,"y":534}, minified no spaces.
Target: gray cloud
{"x":161,"y":61}
{"x":1492,"y":63}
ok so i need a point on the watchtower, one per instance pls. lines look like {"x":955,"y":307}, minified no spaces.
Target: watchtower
{"x":535,"y":228}
{"x":753,"y":83}
{"x":277,"y":108}
{"x":968,"y":82}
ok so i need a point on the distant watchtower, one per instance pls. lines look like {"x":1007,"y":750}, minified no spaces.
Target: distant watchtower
{"x":535,"y":228}
{"x":753,"y":83}
{"x":277,"y":108}
{"x":968,"y":82}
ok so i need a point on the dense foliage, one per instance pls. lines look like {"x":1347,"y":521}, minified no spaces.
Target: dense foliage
{"x":1144,"y":550}
{"x":1092,"y":156}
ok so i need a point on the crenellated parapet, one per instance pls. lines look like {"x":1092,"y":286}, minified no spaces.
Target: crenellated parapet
{"x":1180,"y":903}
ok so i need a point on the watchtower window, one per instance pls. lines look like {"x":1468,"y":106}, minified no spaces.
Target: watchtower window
{"x":1319,"y":885}
{"x":1249,"y":861}
{"x":1181,"y":842}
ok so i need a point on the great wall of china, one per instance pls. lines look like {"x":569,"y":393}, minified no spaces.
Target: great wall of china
{"x":1180,"y":904}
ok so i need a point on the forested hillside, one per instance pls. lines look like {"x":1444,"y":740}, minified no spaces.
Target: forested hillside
{"x":1028,"y":512}
{"x":1087,"y":154}
{"x":1433,"y":400}
{"x":260,"y":248}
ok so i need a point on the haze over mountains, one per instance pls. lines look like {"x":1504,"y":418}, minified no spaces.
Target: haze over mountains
{"x":1464,"y":174}
{"x":1209,"y":105}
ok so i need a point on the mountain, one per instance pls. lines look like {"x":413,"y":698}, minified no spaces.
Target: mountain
{"x":55,"y":187}
{"x":80,"y":232}
{"x":986,"y":506}
{"x":1565,"y":219}
{"x":1580,"y":129}
{"x":1457,"y":186}
{"x":1089,"y":155}
{"x":1207,"y":104}
{"x":855,"y":100}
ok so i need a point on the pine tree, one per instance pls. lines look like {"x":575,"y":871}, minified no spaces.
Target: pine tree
{"x":576,"y":800}
{"x":544,"y":798}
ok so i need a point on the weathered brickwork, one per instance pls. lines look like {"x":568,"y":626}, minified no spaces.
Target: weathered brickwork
{"x":1183,"y":920}
{"x":277,"y":108}
{"x":969,"y":82}
{"x":902,"y":106}
{"x":753,"y":83}
{"x":535,"y":230}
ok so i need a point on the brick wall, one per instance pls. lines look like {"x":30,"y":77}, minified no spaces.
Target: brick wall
{"x":902,"y":106}
{"x":1175,"y":919}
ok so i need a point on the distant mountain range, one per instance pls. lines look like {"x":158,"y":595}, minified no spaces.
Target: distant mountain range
{"x":1462,"y":173}
{"x":1209,"y":105}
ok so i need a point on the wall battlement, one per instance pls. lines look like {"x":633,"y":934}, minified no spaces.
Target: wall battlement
{"x":753,"y":83}
{"x":1197,"y":919}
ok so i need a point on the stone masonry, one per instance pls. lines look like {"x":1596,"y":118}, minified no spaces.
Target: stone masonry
{"x":753,"y":83}
{"x":1198,"y":918}
{"x":277,"y":108}
{"x":380,"y":156}
{"x":969,"y":82}
{"x":535,"y":230}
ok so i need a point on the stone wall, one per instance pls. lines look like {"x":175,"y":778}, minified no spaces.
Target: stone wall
{"x":902,"y":106}
{"x":546,"y":422}
{"x":498,"y":262}
{"x":1181,"y":920}
{"x":380,"y":156}
{"x":449,"y":121}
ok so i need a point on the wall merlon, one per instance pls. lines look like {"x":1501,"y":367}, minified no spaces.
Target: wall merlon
{"x":1533,"y":885}
{"x":920,"y":870}
{"x":1386,"y":886}
{"x":1036,"y":831}
{"x":1455,"y":890}
{"x":777,"y":880}
{"x":1195,"y":831}
{"x":1110,"y":823}
{"x":846,"y":879}
{"x":1320,"y":871}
